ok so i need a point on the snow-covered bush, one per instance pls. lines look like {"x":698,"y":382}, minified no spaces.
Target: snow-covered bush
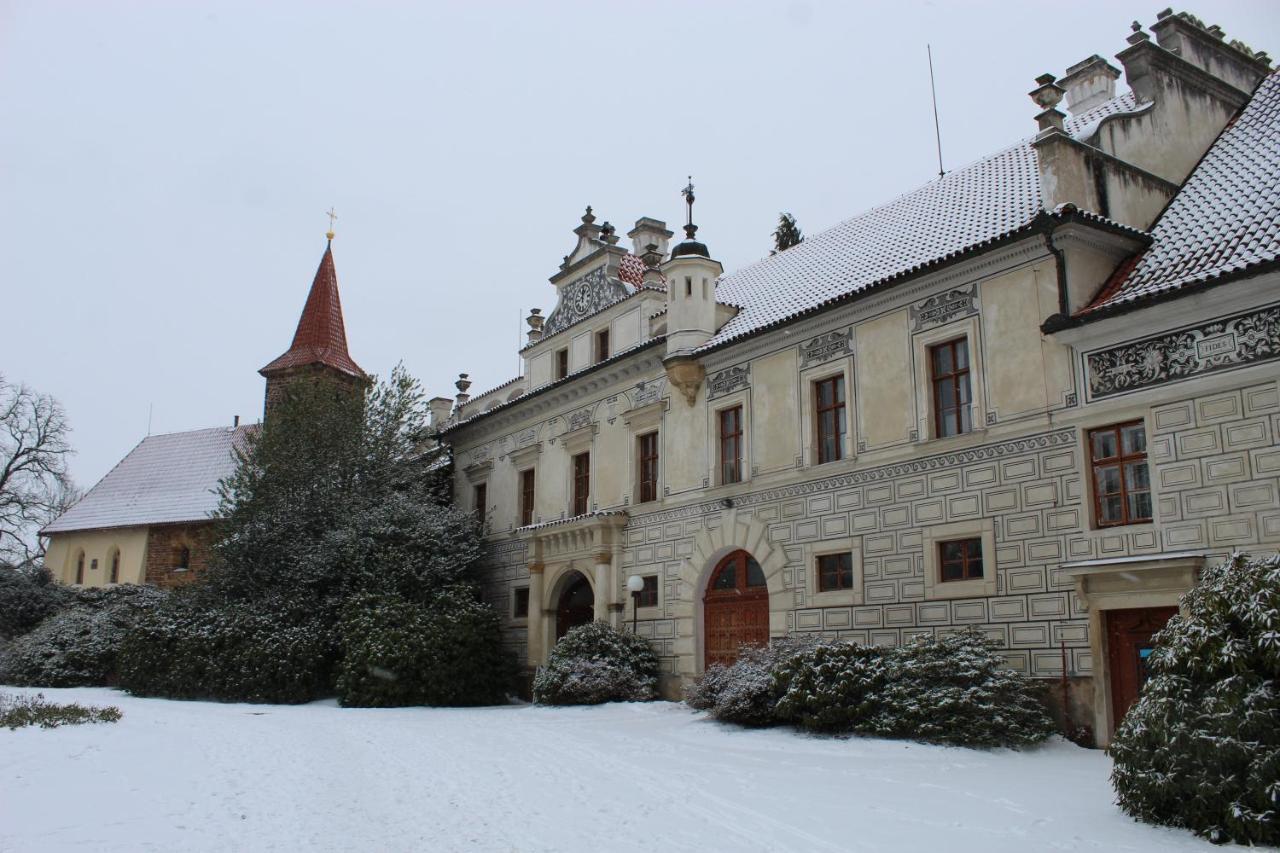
{"x":747,"y":691}
{"x":28,"y":596}
{"x":955,"y":689}
{"x":397,"y":652}
{"x":271,"y":650}
{"x":949,"y":689}
{"x":832,"y":687}
{"x":595,"y":663}
{"x":79,"y":646}
{"x":701,"y":694}
{"x":1201,"y":747}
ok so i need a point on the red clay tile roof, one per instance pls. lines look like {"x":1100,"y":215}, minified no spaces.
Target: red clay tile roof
{"x":321,"y":337}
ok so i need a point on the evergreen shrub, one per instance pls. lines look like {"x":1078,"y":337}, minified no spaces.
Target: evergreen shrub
{"x":949,"y":690}
{"x":832,"y":687}
{"x":271,"y":650}
{"x":955,"y":690}
{"x":747,"y":691}
{"x":27,"y":597}
{"x":79,"y":646}
{"x":398,"y":652}
{"x":596,"y":663}
{"x":1201,"y":747}
{"x":17,"y":711}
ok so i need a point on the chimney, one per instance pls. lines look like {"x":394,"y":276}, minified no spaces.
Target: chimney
{"x":235,"y":421}
{"x":439,"y":408}
{"x":650,"y":237}
{"x":535,"y":321}
{"x":1206,"y":47}
{"x":1089,"y":83}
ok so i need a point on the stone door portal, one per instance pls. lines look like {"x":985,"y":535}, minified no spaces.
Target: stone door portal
{"x":735,"y":608}
{"x":1129,"y":635}
{"x":576,"y":606}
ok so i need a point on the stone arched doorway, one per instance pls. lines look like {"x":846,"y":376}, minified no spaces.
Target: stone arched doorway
{"x":576,"y":605}
{"x":735,"y":608}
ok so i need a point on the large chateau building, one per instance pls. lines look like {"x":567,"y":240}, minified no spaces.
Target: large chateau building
{"x":1033,"y":396}
{"x":151,"y":518}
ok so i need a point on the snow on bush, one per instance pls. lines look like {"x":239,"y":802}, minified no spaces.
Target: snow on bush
{"x":28,"y":596}
{"x":595,"y":663}
{"x":955,"y":689}
{"x":1201,"y":747}
{"x":832,"y":687}
{"x":271,"y":650}
{"x":747,"y":691}
{"x":950,"y":690}
{"x":397,"y":652}
{"x":79,"y":646}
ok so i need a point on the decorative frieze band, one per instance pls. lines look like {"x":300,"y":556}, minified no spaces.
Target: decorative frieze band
{"x":826,"y":347}
{"x":1204,"y":348}
{"x":728,"y":380}
{"x":944,"y":307}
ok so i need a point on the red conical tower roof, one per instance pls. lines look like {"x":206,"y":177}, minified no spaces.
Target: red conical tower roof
{"x":321,"y":337}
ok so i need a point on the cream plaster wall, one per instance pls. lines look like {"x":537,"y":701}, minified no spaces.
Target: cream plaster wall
{"x":884,"y":385}
{"x":1019,"y":359}
{"x":98,"y":544}
{"x":773,"y":412}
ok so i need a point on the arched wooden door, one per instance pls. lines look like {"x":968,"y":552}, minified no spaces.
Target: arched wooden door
{"x":735,"y":608}
{"x":577,"y":605}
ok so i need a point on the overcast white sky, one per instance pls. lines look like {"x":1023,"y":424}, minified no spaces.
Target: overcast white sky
{"x":165,"y":166}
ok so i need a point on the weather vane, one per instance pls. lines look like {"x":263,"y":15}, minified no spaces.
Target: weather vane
{"x":687,"y":192}
{"x":332,"y":216}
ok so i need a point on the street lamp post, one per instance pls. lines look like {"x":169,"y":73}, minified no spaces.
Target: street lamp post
{"x":635,"y":583}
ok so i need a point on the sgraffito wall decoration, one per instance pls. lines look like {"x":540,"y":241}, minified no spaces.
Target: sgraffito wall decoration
{"x":1204,"y":348}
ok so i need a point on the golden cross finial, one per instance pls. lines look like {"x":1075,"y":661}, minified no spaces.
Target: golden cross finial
{"x":332,"y":216}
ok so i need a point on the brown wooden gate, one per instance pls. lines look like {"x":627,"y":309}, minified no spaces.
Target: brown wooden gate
{"x":1129,"y":635}
{"x":735,"y":608}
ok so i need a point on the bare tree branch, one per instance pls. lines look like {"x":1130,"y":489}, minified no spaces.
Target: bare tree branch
{"x":35,"y":485}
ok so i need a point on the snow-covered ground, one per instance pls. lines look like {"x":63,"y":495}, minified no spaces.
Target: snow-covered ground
{"x":193,"y":776}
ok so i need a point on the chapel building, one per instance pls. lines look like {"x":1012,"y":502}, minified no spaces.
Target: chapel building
{"x":152,"y":518}
{"x":1035,"y":396}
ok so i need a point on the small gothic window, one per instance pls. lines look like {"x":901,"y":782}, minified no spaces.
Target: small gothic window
{"x":184,"y":558}
{"x":115,"y":566}
{"x":80,"y":568}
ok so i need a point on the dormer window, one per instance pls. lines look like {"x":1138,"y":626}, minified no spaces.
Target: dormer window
{"x":602,"y":344}
{"x":562,"y":363}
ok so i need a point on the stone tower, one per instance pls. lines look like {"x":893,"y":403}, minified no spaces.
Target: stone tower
{"x":319,"y":349}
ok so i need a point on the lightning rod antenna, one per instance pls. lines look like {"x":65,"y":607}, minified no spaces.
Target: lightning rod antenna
{"x":937,"y":130}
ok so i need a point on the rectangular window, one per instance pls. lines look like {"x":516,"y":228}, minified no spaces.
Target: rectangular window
{"x":960,"y":559}
{"x":562,"y":363}
{"x":526,"y":497}
{"x":949,"y":369}
{"x":481,"y":500}
{"x":828,"y":395}
{"x":520,"y":603}
{"x":835,"y":571}
{"x":731,"y":445}
{"x":648,"y":452}
{"x":649,"y":595}
{"x":602,"y":344}
{"x":1121,"y":484}
{"x":581,"y":482}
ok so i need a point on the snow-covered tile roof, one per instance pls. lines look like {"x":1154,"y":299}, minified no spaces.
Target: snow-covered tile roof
{"x":165,"y":479}
{"x":966,"y":209}
{"x":1226,"y":217}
